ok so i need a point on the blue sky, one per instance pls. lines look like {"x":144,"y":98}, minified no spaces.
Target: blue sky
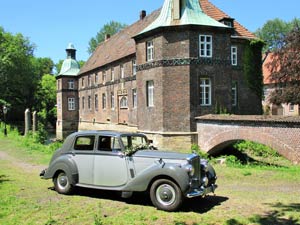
{"x":51,"y":25}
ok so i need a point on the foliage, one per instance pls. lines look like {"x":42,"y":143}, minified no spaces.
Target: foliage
{"x":110,"y":28}
{"x":255,"y":149}
{"x":20,"y":72}
{"x":274,"y":31}
{"x":129,"y":151}
{"x":46,"y":100}
{"x":196,"y":149}
{"x":252,"y":66}
{"x":285,"y":70}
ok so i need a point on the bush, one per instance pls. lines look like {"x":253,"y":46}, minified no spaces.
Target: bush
{"x":195,"y":148}
{"x":255,"y":149}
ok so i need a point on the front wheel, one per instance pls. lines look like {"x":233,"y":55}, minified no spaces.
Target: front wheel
{"x":62,"y":183}
{"x":166,"y":195}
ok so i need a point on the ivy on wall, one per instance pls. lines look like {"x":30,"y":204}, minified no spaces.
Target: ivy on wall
{"x":252,"y":66}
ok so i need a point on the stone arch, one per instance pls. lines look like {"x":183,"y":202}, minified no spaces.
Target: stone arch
{"x":224,"y":139}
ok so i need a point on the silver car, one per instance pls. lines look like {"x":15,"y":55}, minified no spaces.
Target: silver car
{"x":124,"y":162}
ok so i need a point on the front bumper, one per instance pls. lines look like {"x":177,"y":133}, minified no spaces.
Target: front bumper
{"x":42,"y":173}
{"x":201,"y":191}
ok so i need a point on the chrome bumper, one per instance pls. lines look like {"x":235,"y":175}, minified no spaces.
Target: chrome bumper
{"x":201,"y":191}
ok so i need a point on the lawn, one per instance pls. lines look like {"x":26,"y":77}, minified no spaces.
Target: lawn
{"x":246,"y":195}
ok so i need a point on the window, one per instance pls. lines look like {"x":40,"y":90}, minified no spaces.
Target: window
{"x":96,"y":78}
{"x":122,"y":71}
{"x":71,"y":84}
{"x":78,"y":103}
{"x":150,"y":51}
{"x":58,"y":84}
{"x":89,"y":80}
{"x":205,"y":91}
{"x":112,"y":74}
{"x":112,"y":100}
{"x":234,"y":94}
{"x":89,"y":102}
{"x":291,"y":108}
{"x":82,"y":82}
{"x":104,"y":77}
{"x":103,"y":101}
{"x":134,"y":67}
{"x":134,"y":98}
{"x":71,"y":104}
{"x":124,"y":103}
{"x":106,"y":143}
{"x":234,"y":55}
{"x":150,"y":93}
{"x":84,"y":143}
{"x":96,"y":102}
{"x":82,"y":102}
{"x":205,"y":45}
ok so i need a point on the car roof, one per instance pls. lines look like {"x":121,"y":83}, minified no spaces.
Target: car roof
{"x":104,"y":132}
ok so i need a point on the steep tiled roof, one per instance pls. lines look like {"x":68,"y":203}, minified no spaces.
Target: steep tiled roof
{"x":122,"y":44}
{"x":118,"y":46}
{"x":218,"y":14}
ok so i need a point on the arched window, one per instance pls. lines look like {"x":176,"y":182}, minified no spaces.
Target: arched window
{"x":124,"y":103}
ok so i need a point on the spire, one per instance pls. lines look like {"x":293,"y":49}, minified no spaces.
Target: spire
{"x":182,"y":12}
{"x":71,"y":51}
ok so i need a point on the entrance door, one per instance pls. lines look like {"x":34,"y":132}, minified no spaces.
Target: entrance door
{"x":123,"y":109}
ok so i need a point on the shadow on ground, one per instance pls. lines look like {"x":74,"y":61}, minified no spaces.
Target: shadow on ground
{"x":197,"y":205}
{"x":3,"y":178}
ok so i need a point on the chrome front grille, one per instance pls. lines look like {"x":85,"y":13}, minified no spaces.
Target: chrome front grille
{"x":195,"y":162}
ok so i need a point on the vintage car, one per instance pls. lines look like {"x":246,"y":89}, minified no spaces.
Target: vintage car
{"x":124,"y":162}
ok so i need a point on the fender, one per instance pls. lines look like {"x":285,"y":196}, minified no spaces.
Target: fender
{"x":65,"y":163}
{"x":158,"y":169}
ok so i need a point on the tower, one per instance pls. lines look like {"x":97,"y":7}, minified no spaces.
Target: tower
{"x":67,"y":95}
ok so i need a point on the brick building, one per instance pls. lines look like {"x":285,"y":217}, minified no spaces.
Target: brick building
{"x":158,"y":74}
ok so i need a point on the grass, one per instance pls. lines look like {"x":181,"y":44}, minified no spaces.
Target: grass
{"x":246,"y":195}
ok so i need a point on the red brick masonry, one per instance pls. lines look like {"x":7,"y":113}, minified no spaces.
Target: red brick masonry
{"x":281,"y":133}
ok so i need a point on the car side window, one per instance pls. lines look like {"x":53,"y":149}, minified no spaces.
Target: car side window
{"x":84,"y":143}
{"x":107,"y":143}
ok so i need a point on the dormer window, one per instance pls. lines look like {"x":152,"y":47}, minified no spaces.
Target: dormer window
{"x":228,"y":22}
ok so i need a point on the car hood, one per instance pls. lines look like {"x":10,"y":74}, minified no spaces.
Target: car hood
{"x":162,"y":154}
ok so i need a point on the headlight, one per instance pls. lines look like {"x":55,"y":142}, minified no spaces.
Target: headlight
{"x":190,"y":169}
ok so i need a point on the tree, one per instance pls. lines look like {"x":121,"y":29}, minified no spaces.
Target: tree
{"x":110,"y":28}
{"x":46,"y":99}
{"x":17,"y":72}
{"x":285,"y":70}
{"x":274,"y":31}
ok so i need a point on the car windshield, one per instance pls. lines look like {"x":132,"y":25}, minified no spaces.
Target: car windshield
{"x":134,"y":142}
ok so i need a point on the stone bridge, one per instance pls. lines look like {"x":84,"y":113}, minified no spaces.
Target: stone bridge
{"x":280,"y":133}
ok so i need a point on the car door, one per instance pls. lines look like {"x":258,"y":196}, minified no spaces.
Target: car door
{"x":83,"y":154}
{"x":110,"y":167}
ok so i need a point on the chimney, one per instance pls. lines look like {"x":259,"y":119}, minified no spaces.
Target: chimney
{"x":143,"y":14}
{"x":176,"y":9}
{"x":107,"y":36}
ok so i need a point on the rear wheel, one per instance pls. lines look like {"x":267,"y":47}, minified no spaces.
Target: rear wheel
{"x":166,"y":195}
{"x":62,"y":183}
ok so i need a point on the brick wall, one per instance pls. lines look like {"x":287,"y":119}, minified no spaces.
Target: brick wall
{"x":217,"y":132}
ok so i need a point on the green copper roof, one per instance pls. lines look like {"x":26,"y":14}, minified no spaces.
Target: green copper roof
{"x":70,"y":66}
{"x":190,"y":14}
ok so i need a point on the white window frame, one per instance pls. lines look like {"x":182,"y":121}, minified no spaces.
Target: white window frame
{"x":112,"y":100}
{"x":82,"y":82}
{"x":291,"y":107}
{"x":134,"y":98}
{"x":124,"y":102}
{"x":122,"y":72}
{"x":96,"y":102}
{"x":205,"y":91}
{"x":71,"y":84}
{"x":149,"y":51}
{"x":104,"y":77}
{"x":103,"y":101}
{"x":234,"y":60}
{"x":134,"y":67}
{"x":205,"y":46}
{"x":112,"y":74}
{"x":71,"y":104}
{"x":234,"y":94}
{"x":150,"y":93}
